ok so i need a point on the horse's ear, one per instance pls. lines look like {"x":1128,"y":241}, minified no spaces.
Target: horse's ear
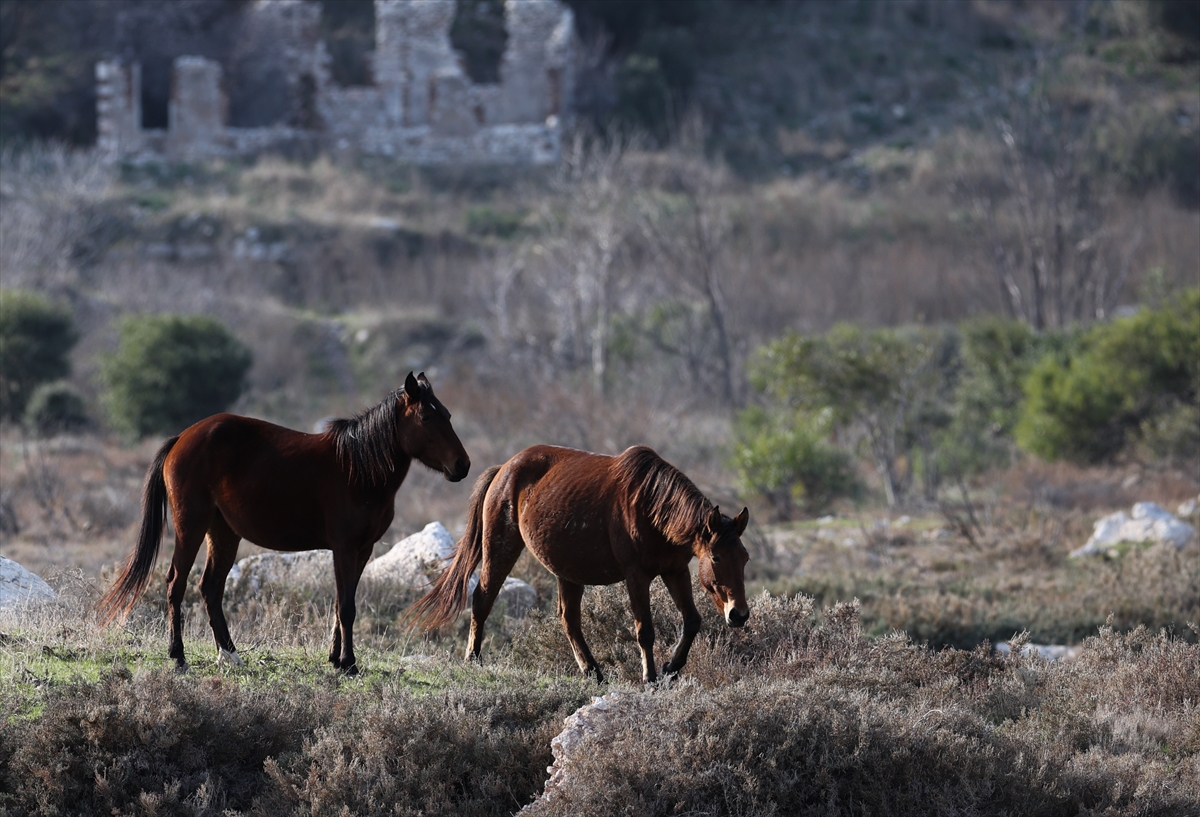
{"x":741,"y":520}
{"x":411,"y":387}
{"x":423,"y":381}
{"x":713,"y":523}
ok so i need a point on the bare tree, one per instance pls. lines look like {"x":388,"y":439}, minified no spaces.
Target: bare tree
{"x":47,"y":194}
{"x":688,"y":228}
{"x":559,"y":289}
{"x":1057,"y":253}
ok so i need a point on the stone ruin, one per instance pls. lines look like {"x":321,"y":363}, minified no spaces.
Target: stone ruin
{"x":422,"y":107}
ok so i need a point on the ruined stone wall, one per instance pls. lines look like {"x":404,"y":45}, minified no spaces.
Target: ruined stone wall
{"x":422,"y":108}
{"x":118,"y":107}
{"x":197,"y":110}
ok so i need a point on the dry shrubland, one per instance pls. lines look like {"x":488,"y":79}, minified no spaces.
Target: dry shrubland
{"x":966,"y":168}
{"x":796,"y":713}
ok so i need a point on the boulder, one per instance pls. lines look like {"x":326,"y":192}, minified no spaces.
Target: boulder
{"x":412,"y":562}
{"x":305,"y":570}
{"x":587,"y":722}
{"x":19,"y":587}
{"x":1146,"y":522}
{"x":1047,"y":652}
{"x":416,"y":560}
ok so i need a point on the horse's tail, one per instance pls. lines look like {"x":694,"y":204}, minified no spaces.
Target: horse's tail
{"x":119,"y":600}
{"x":448,"y":596}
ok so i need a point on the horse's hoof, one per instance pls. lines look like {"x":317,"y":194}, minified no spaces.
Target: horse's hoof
{"x":181,"y":667}
{"x":351,"y":670}
{"x":229,"y":657}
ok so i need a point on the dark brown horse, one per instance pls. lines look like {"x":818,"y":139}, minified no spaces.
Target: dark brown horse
{"x":594,"y":519}
{"x":230,"y":478}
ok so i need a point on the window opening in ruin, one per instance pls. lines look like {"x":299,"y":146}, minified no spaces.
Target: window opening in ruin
{"x":554,"y":75}
{"x":156,"y":91}
{"x":348,"y":27}
{"x":307,"y":117}
{"x":479,"y":35}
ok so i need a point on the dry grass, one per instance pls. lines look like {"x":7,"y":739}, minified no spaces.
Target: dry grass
{"x":342,"y":277}
{"x":797,"y":713}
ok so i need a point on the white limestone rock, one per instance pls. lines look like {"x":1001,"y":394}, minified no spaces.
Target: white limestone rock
{"x":589,"y":721}
{"x":1146,"y":522}
{"x":305,"y":570}
{"x":417,"y":560}
{"x":414,"y":561}
{"x":1047,"y":652}
{"x":516,"y":598}
{"x":19,"y":587}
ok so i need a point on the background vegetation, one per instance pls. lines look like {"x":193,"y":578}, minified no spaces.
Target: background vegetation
{"x":917,"y":281}
{"x":171,"y":371}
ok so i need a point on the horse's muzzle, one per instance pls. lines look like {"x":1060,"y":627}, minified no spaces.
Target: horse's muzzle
{"x":459,"y":472}
{"x":736,"y":617}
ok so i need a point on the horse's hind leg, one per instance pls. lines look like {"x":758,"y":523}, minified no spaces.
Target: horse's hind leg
{"x":222,"y":551}
{"x":570,"y":596}
{"x":500,"y":554}
{"x":638,"y":587}
{"x":191,"y":521}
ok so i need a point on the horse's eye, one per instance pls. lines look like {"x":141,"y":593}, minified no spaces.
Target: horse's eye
{"x":716,"y":559}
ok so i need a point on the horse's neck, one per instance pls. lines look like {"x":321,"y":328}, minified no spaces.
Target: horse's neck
{"x":685,"y":541}
{"x":401,"y":463}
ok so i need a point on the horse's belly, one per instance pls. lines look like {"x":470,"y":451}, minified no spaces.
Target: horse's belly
{"x":576,"y":556}
{"x":285,"y":519}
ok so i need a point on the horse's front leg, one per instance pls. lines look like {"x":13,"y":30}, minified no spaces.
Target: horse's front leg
{"x":347,"y":568}
{"x":638,"y":587}
{"x":679,"y":585}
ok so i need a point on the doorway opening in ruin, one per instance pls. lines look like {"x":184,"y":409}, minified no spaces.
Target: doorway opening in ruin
{"x":348,"y":27}
{"x":480,"y":36}
{"x":156,"y":91}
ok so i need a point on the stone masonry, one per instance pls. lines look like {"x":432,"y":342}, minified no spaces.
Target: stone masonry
{"x":421,"y":108}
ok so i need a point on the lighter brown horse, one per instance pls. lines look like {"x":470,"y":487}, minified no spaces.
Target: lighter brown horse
{"x":229,"y":478}
{"x":594,"y":519}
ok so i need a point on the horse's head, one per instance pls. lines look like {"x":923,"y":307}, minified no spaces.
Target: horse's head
{"x":723,"y":560}
{"x":426,"y":433}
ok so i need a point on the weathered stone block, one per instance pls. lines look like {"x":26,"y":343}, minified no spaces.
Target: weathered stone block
{"x":197,"y":109}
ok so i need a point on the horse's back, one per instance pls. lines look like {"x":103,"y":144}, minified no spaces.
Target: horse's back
{"x":555,"y":471}
{"x":563,"y":502}
{"x":267,"y":480}
{"x":232,"y":436}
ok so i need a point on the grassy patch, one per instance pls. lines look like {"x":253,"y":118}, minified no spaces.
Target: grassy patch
{"x":795,"y":712}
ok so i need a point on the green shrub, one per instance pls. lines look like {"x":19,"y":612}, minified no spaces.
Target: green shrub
{"x":787,"y":459}
{"x":171,"y":371}
{"x":1173,"y":436}
{"x":484,"y":219}
{"x":35,"y":339}
{"x":997,"y":356}
{"x":1086,"y":405}
{"x":889,"y":388}
{"x":55,"y":408}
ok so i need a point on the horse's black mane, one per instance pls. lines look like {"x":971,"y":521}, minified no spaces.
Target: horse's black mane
{"x":368,"y":442}
{"x":672,"y":502}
